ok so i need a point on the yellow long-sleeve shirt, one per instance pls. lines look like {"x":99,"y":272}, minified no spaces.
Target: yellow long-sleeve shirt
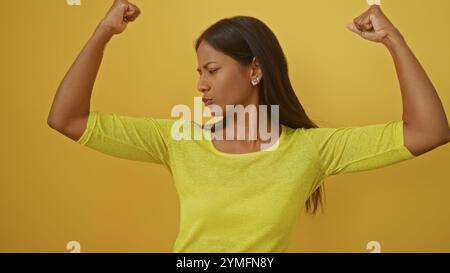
{"x":244,"y":202}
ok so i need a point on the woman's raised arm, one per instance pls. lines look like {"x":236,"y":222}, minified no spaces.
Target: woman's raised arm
{"x":71,"y":105}
{"x":425,"y":123}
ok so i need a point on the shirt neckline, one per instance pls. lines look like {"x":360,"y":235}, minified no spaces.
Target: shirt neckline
{"x":276,"y":145}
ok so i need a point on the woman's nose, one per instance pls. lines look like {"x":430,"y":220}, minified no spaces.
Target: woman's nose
{"x":202,"y":86}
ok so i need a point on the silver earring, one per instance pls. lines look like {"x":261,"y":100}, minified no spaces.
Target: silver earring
{"x":255,"y":81}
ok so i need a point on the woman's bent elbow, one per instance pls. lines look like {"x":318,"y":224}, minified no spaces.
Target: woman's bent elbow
{"x":73,"y":129}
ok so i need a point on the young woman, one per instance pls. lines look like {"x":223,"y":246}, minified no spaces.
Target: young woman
{"x":236,"y":197}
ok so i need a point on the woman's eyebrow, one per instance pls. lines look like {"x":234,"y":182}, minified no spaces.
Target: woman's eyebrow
{"x":205,"y":65}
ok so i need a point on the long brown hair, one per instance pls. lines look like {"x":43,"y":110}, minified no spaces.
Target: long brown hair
{"x":243,"y":38}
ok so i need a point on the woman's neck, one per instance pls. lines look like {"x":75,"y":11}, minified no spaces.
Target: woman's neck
{"x":247,"y":130}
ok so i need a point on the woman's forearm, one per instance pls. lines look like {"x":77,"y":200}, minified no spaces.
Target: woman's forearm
{"x":422,"y":109}
{"x":72,"y":99}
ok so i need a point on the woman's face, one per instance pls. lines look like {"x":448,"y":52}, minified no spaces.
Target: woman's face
{"x":225,"y":81}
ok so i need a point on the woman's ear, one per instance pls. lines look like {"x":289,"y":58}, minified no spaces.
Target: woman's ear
{"x":255,"y":70}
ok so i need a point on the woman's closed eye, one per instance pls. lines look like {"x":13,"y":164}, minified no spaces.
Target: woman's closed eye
{"x":213,"y":71}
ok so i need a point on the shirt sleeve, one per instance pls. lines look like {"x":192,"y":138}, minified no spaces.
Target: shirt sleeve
{"x":134,"y":138}
{"x":352,"y":149}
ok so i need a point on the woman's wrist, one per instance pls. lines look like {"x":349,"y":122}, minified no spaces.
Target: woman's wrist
{"x":394,"y":39}
{"x":103,"y":32}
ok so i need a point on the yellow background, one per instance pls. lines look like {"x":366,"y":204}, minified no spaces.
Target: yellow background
{"x":54,"y":191}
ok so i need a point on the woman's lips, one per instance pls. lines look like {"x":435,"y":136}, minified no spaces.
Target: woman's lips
{"x":206,"y":101}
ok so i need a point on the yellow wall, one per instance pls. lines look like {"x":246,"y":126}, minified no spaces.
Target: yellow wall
{"x":54,"y":191}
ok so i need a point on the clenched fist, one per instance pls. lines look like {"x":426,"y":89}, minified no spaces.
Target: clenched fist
{"x":118,"y":16}
{"x":374,"y":26}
